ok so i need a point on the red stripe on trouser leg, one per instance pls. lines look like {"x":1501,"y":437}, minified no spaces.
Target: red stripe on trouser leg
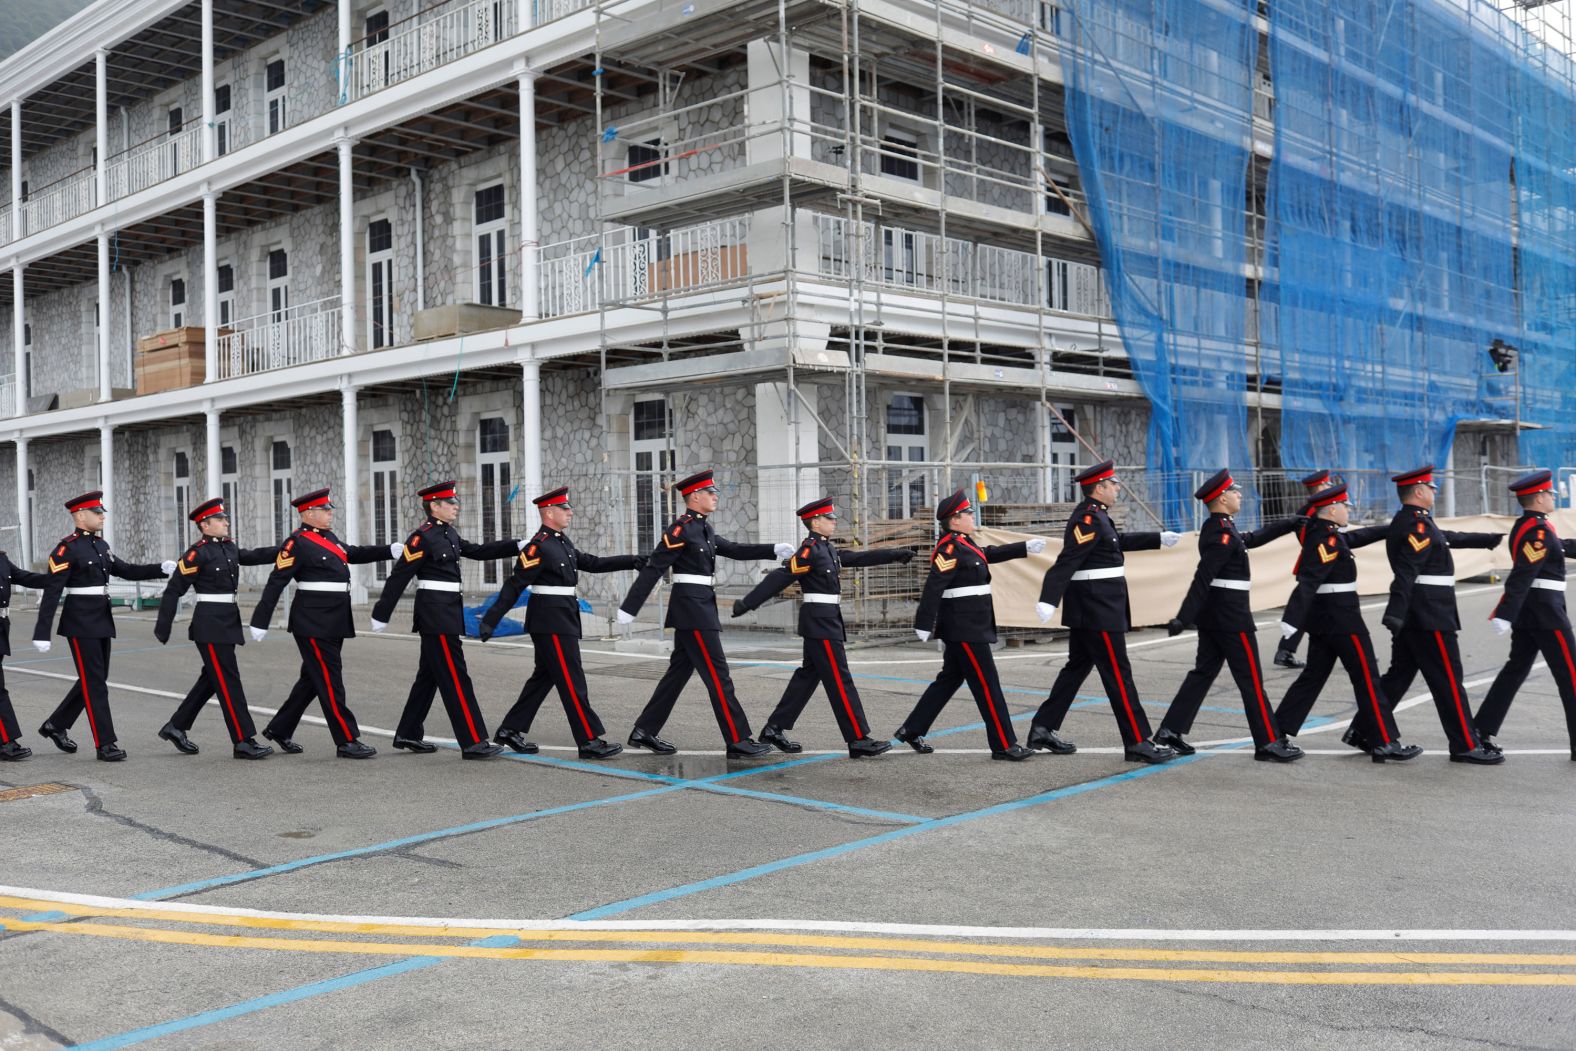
{"x":990,"y":702}
{"x":1121,"y":686}
{"x":82,"y":681}
{"x":1455,"y":691}
{"x":722,"y":698}
{"x":328,"y":687}
{"x":569,"y":684}
{"x":1565,"y":651}
{"x":459,"y":691}
{"x":1368,"y":680}
{"x":1258,"y":686}
{"x":837,"y":677}
{"x":224,"y":691}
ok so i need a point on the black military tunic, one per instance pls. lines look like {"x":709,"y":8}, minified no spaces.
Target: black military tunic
{"x":11,"y":574}
{"x":212,"y":566}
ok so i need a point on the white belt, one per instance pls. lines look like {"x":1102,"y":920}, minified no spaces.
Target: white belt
{"x":1438,"y":582}
{"x":977,"y":589}
{"x":216,"y":598}
{"x":692,"y":578}
{"x":1234,"y":585}
{"x":1101,"y":574}
{"x":1549,"y":585}
{"x":437,"y":585}
{"x":322,"y":585}
{"x":552,"y":589}
{"x":5,"y":613}
{"x":835,"y":599}
{"x":1336,"y":589}
{"x":102,"y":589}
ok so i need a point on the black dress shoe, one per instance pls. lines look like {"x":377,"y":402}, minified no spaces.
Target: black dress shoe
{"x":1480,"y":756}
{"x":1488,"y":744}
{"x":250,"y":749}
{"x":1286,"y":659}
{"x":354,"y":749}
{"x":915,"y":741}
{"x":479,"y":750}
{"x":62,"y":742}
{"x":1356,"y":740}
{"x":1145,"y":752}
{"x":866,"y":747}
{"x":651,"y":742}
{"x":11,"y":752}
{"x":286,"y":745}
{"x":516,"y":742}
{"x":177,"y":737}
{"x":111,"y":753}
{"x":748,"y":748}
{"x":415,"y":744}
{"x":1047,"y":740}
{"x":1173,"y":740}
{"x":779,"y":740}
{"x":1395,"y":751}
{"x":596,"y":748}
{"x":1013,"y":754}
{"x":1278,"y":752}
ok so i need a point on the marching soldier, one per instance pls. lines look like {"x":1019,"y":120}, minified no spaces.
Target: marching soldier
{"x":211,"y":568}
{"x":816,"y":566}
{"x":550,"y":565}
{"x":1325,"y":605}
{"x":11,"y":748}
{"x":1089,"y":579}
{"x":1422,"y":618}
{"x":1217,"y":602}
{"x":320,"y":621}
{"x":690,"y":547}
{"x":432,"y":555}
{"x":956,"y":607}
{"x":1286,"y":651}
{"x":79,"y":568}
{"x":1532,"y":610}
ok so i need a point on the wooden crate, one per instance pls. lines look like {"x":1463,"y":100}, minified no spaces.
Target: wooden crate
{"x":171,"y":360}
{"x":696,"y":269}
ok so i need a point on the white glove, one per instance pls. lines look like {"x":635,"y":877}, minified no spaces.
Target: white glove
{"x":41,"y":645}
{"x":259,"y":634}
{"x":1045,"y":611}
{"x":1501,"y":627}
{"x":625,"y":618}
{"x":1036,"y":545}
{"x":379,"y":625}
{"x":1287,"y":630}
{"x":783,"y":550}
{"x":924,"y":636}
{"x":396,"y":550}
{"x":1169,"y":539}
{"x":519,"y":545}
{"x":166,"y":567}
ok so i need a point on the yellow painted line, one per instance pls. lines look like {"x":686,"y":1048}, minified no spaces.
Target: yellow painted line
{"x":804,"y":960}
{"x":29,"y":791}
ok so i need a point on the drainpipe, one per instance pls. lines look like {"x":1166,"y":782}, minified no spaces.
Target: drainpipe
{"x":421,"y":258}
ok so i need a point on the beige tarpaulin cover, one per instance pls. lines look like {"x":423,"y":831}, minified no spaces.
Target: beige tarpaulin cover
{"x":1157,"y":581}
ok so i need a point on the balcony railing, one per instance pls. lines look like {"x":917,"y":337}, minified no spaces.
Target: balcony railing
{"x":61,"y":200}
{"x":153,"y":161}
{"x":7,"y":397}
{"x":280,"y":338}
{"x":5,"y":225}
{"x":427,"y":40}
{"x":630,"y":265}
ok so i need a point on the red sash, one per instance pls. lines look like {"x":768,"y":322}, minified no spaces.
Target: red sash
{"x":325,"y":543}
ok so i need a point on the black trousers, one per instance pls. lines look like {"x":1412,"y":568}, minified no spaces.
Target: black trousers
{"x":972,"y":663}
{"x":1105,"y":651}
{"x":696,"y":650}
{"x":322,"y":676}
{"x":1240,"y":652}
{"x":825,"y":664}
{"x":1559,"y":649}
{"x":9,"y":730}
{"x":1438,"y":657}
{"x":219,"y":678}
{"x":443,"y":671}
{"x":1356,"y":652}
{"x":1290,"y":643}
{"x":557,"y":667}
{"x":90,"y":659}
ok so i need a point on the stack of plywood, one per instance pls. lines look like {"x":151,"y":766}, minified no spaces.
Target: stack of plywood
{"x":170,"y":360}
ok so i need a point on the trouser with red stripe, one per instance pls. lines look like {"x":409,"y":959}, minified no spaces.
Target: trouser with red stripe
{"x":90,"y":660}
{"x":1356,"y":651}
{"x":443,"y":670}
{"x":1438,"y":657}
{"x":219,"y":678}
{"x":9,"y":730}
{"x":1559,"y":649}
{"x":972,"y":663}
{"x":322,"y":676}
{"x":1238,"y":650}
{"x":1106,"y":652}
{"x":557,"y":666}
{"x":696,"y":651}
{"x":825,"y":664}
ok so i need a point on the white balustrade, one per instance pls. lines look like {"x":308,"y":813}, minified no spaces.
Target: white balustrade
{"x":151,"y":162}
{"x":278,"y":339}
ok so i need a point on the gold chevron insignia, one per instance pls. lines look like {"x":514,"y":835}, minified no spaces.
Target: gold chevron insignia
{"x":1082,"y":537}
{"x":1532,"y":554}
{"x":284,"y":561}
{"x":528,"y":563}
{"x":1328,"y":555}
{"x":670,"y":545}
{"x":1419,"y":544}
{"x":411,"y":556}
{"x":796,"y":568}
{"x":59,"y":567}
{"x":945,"y":564}
{"x":187,"y":569}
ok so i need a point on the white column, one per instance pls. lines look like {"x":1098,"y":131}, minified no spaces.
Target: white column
{"x":209,"y":144}
{"x":210,"y":285}
{"x":531,"y":428}
{"x":18,"y":327}
{"x":343,"y":64}
{"x":102,"y":350}
{"x":24,"y":527}
{"x":107,"y":466}
{"x":530,"y":256}
{"x":100,"y":126}
{"x":347,"y":248}
{"x":350,"y":520}
{"x":215,"y":466}
{"x":16,"y":170}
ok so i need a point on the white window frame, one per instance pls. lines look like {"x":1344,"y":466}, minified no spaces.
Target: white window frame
{"x":225,"y":299}
{"x":92,"y":313}
{"x":177,"y":310}
{"x":221,"y":119}
{"x":27,"y":357}
{"x":496,"y":234}
{"x":180,"y":496}
{"x":276,"y":113}
{"x":905,"y":139}
{"x":281,"y":487}
{"x":386,"y":494}
{"x":230,"y":481}
{"x":908,"y":492}
{"x":380,"y":264}
{"x":377,"y":80}
{"x":651,"y":463}
{"x":495,"y":478}
{"x":1061,"y":455}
